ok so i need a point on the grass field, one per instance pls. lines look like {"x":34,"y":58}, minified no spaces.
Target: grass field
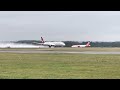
{"x":59,"y":66}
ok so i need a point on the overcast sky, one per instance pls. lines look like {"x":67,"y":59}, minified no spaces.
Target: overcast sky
{"x":60,"y":25}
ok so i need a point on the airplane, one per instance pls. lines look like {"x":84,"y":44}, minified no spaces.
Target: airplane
{"x":51,"y":44}
{"x":86,"y":45}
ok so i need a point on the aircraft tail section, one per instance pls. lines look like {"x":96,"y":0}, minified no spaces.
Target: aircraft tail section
{"x":42,"y":40}
{"x":88,"y":44}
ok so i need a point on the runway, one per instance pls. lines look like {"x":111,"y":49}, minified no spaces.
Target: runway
{"x":50,"y":51}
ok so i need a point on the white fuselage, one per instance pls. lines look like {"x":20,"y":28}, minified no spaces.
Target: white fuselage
{"x":80,"y":46}
{"x":54,"y":44}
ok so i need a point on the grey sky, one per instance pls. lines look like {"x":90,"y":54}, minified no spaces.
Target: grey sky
{"x":60,"y":25}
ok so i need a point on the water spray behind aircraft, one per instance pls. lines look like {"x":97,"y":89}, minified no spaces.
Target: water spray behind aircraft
{"x":17,"y":45}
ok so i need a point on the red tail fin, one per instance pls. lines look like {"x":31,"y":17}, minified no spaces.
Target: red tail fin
{"x":42,"y":40}
{"x":88,"y":44}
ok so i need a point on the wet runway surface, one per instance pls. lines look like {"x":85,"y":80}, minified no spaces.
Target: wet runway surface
{"x":49,"y":51}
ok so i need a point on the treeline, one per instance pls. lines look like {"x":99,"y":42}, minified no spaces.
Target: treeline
{"x":70,"y":43}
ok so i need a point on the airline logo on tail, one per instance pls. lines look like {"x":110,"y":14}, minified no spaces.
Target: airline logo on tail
{"x":42,"y":40}
{"x":88,"y":44}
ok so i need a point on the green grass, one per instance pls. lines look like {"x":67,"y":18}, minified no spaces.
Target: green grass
{"x":59,"y":66}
